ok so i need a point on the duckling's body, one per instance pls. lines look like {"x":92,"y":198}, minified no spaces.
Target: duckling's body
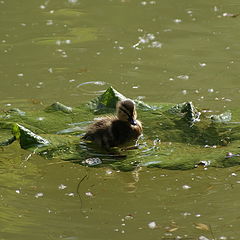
{"x":112,"y":131}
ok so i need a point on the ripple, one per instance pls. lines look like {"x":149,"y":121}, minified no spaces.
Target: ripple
{"x":99,"y":83}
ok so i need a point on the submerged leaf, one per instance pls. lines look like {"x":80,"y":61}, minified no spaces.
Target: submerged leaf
{"x":17,"y":111}
{"x":8,"y":141}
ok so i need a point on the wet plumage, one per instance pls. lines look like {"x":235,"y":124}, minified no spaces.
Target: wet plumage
{"x":112,"y":131}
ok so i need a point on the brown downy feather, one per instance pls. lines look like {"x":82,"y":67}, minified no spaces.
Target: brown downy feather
{"x":112,"y":131}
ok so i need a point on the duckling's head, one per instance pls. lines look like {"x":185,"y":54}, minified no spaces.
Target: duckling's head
{"x":126,"y":111}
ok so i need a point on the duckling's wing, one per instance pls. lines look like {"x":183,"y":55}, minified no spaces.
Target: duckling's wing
{"x":121,"y":132}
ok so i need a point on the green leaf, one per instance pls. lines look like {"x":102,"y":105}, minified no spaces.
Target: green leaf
{"x":106,"y":101}
{"x":58,"y":107}
{"x":28,"y":139}
{"x":175,"y":137}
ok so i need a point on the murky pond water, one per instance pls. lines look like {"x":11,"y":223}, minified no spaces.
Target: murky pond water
{"x":160,"y":51}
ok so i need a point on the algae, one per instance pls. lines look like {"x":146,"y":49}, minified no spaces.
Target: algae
{"x":176,"y":136}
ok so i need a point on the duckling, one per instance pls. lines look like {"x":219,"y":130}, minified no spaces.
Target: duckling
{"x":112,"y":131}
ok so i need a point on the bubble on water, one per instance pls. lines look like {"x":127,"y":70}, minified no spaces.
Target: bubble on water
{"x":177,"y":20}
{"x":62,"y":186}
{"x":70,"y":194}
{"x":185,"y":214}
{"x":150,"y":36}
{"x":37,"y":195}
{"x":202,"y":64}
{"x":49,"y":22}
{"x":155,"y":44}
{"x":40,"y":118}
{"x":50,"y":70}
{"x":58,"y":42}
{"x":128,"y":217}
{"x":152,"y":225}
{"x":184,"y":92}
{"x":202,"y":238}
{"x":223,"y":238}
{"x":88,"y":194}
{"x":109,"y":172}
{"x":215,"y":9}
{"x":183,"y":77}
{"x":210,"y":90}
{"x":147,"y":40}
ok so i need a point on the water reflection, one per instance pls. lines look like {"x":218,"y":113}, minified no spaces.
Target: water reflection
{"x":175,"y":203}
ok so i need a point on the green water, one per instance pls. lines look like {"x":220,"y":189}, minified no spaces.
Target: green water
{"x":161,"y":51}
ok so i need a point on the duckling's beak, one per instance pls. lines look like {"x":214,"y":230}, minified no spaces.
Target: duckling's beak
{"x":132,"y":121}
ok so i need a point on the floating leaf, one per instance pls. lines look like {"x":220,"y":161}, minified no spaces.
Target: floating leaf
{"x":184,"y":142}
{"x":28,"y":139}
{"x":107,"y":100}
{"x":59,"y":107}
{"x":188,"y":112}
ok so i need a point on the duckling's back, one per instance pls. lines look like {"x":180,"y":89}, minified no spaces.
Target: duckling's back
{"x":124,"y":132}
{"x":110,"y":132}
{"x":99,"y":131}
